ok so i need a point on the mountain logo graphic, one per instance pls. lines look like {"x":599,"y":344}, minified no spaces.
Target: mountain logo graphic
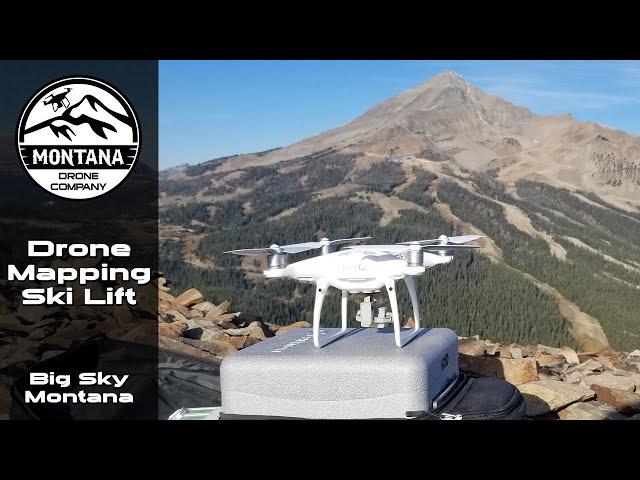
{"x":78,"y":137}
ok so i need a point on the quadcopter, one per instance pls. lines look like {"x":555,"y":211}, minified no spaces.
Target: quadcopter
{"x":58,"y":100}
{"x":364,"y":269}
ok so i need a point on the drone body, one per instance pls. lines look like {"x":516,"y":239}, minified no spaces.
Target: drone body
{"x":361,"y":269}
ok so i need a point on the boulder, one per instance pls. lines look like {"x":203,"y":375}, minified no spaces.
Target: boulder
{"x":204,"y":307}
{"x":225,"y":321}
{"x":238,"y":342}
{"x":622,"y":400}
{"x":255,"y":330}
{"x":193,"y":333}
{"x":516,"y":353}
{"x":610,"y":380}
{"x":471,"y":346}
{"x":576,"y":373}
{"x":173,"y":345}
{"x":545,"y":396}
{"x":551,"y":360}
{"x":193,"y":313}
{"x":513,"y":371}
{"x":293,"y":326}
{"x":174,"y":329}
{"x":217,"y":347}
{"x":635,"y":353}
{"x":590,"y":411}
{"x":245,"y":318}
{"x":569,"y":354}
{"x":189,"y":298}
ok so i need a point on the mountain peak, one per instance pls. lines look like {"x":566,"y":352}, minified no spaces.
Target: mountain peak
{"x":446,"y":79}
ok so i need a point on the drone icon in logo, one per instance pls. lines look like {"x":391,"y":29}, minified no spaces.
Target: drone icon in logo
{"x":58,"y":100}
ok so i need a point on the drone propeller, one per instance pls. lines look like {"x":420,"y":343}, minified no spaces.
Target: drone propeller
{"x":444,"y":240}
{"x":294,"y":247}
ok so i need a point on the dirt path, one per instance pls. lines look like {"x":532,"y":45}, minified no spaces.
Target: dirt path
{"x":522,"y":222}
{"x":609,"y":258}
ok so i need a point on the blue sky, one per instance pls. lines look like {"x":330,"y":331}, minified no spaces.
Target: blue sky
{"x":210,"y":109}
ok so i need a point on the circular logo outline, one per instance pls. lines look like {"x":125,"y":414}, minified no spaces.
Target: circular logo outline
{"x":90,"y":80}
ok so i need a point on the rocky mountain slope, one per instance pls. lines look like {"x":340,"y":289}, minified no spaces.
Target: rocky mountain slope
{"x":556,"y":198}
{"x":446,"y":118}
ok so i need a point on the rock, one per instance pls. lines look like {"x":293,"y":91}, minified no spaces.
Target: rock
{"x":218,"y":335}
{"x":50,"y":353}
{"x":175,"y":316}
{"x":590,"y":411}
{"x":195,"y":314}
{"x":146,"y":334}
{"x":551,"y":360}
{"x":610,"y":380}
{"x":204,"y":307}
{"x":225,"y":321}
{"x":254,"y":329}
{"x":193,"y":333}
{"x":222,"y":308}
{"x":173,"y":345}
{"x":576,"y":373}
{"x":238,"y":342}
{"x":545,"y":396}
{"x":217,"y":347}
{"x":13,"y":323}
{"x":471,"y":346}
{"x":622,"y":400}
{"x":162,"y":284}
{"x":257,"y":331}
{"x":513,"y":371}
{"x":174,"y":329}
{"x":635,"y":353}
{"x":244,"y":319}
{"x":492,"y":349}
{"x":293,"y":326}
{"x":54,"y":341}
{"x":189,"y":298}
{"x":569,"y":354}
{"x":516,"y":353}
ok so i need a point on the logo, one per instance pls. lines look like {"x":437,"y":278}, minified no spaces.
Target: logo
{"x":78,"y":138}
{"x":444,"y":362}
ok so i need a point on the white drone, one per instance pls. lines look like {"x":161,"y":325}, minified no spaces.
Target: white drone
{"x":362,"y":269}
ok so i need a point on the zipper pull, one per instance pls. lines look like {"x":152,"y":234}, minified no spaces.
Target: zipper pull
{"x":449,"y":416}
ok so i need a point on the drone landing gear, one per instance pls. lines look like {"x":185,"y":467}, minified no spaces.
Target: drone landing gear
{"x":321,"y":290}
{"x":390,"y":285}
